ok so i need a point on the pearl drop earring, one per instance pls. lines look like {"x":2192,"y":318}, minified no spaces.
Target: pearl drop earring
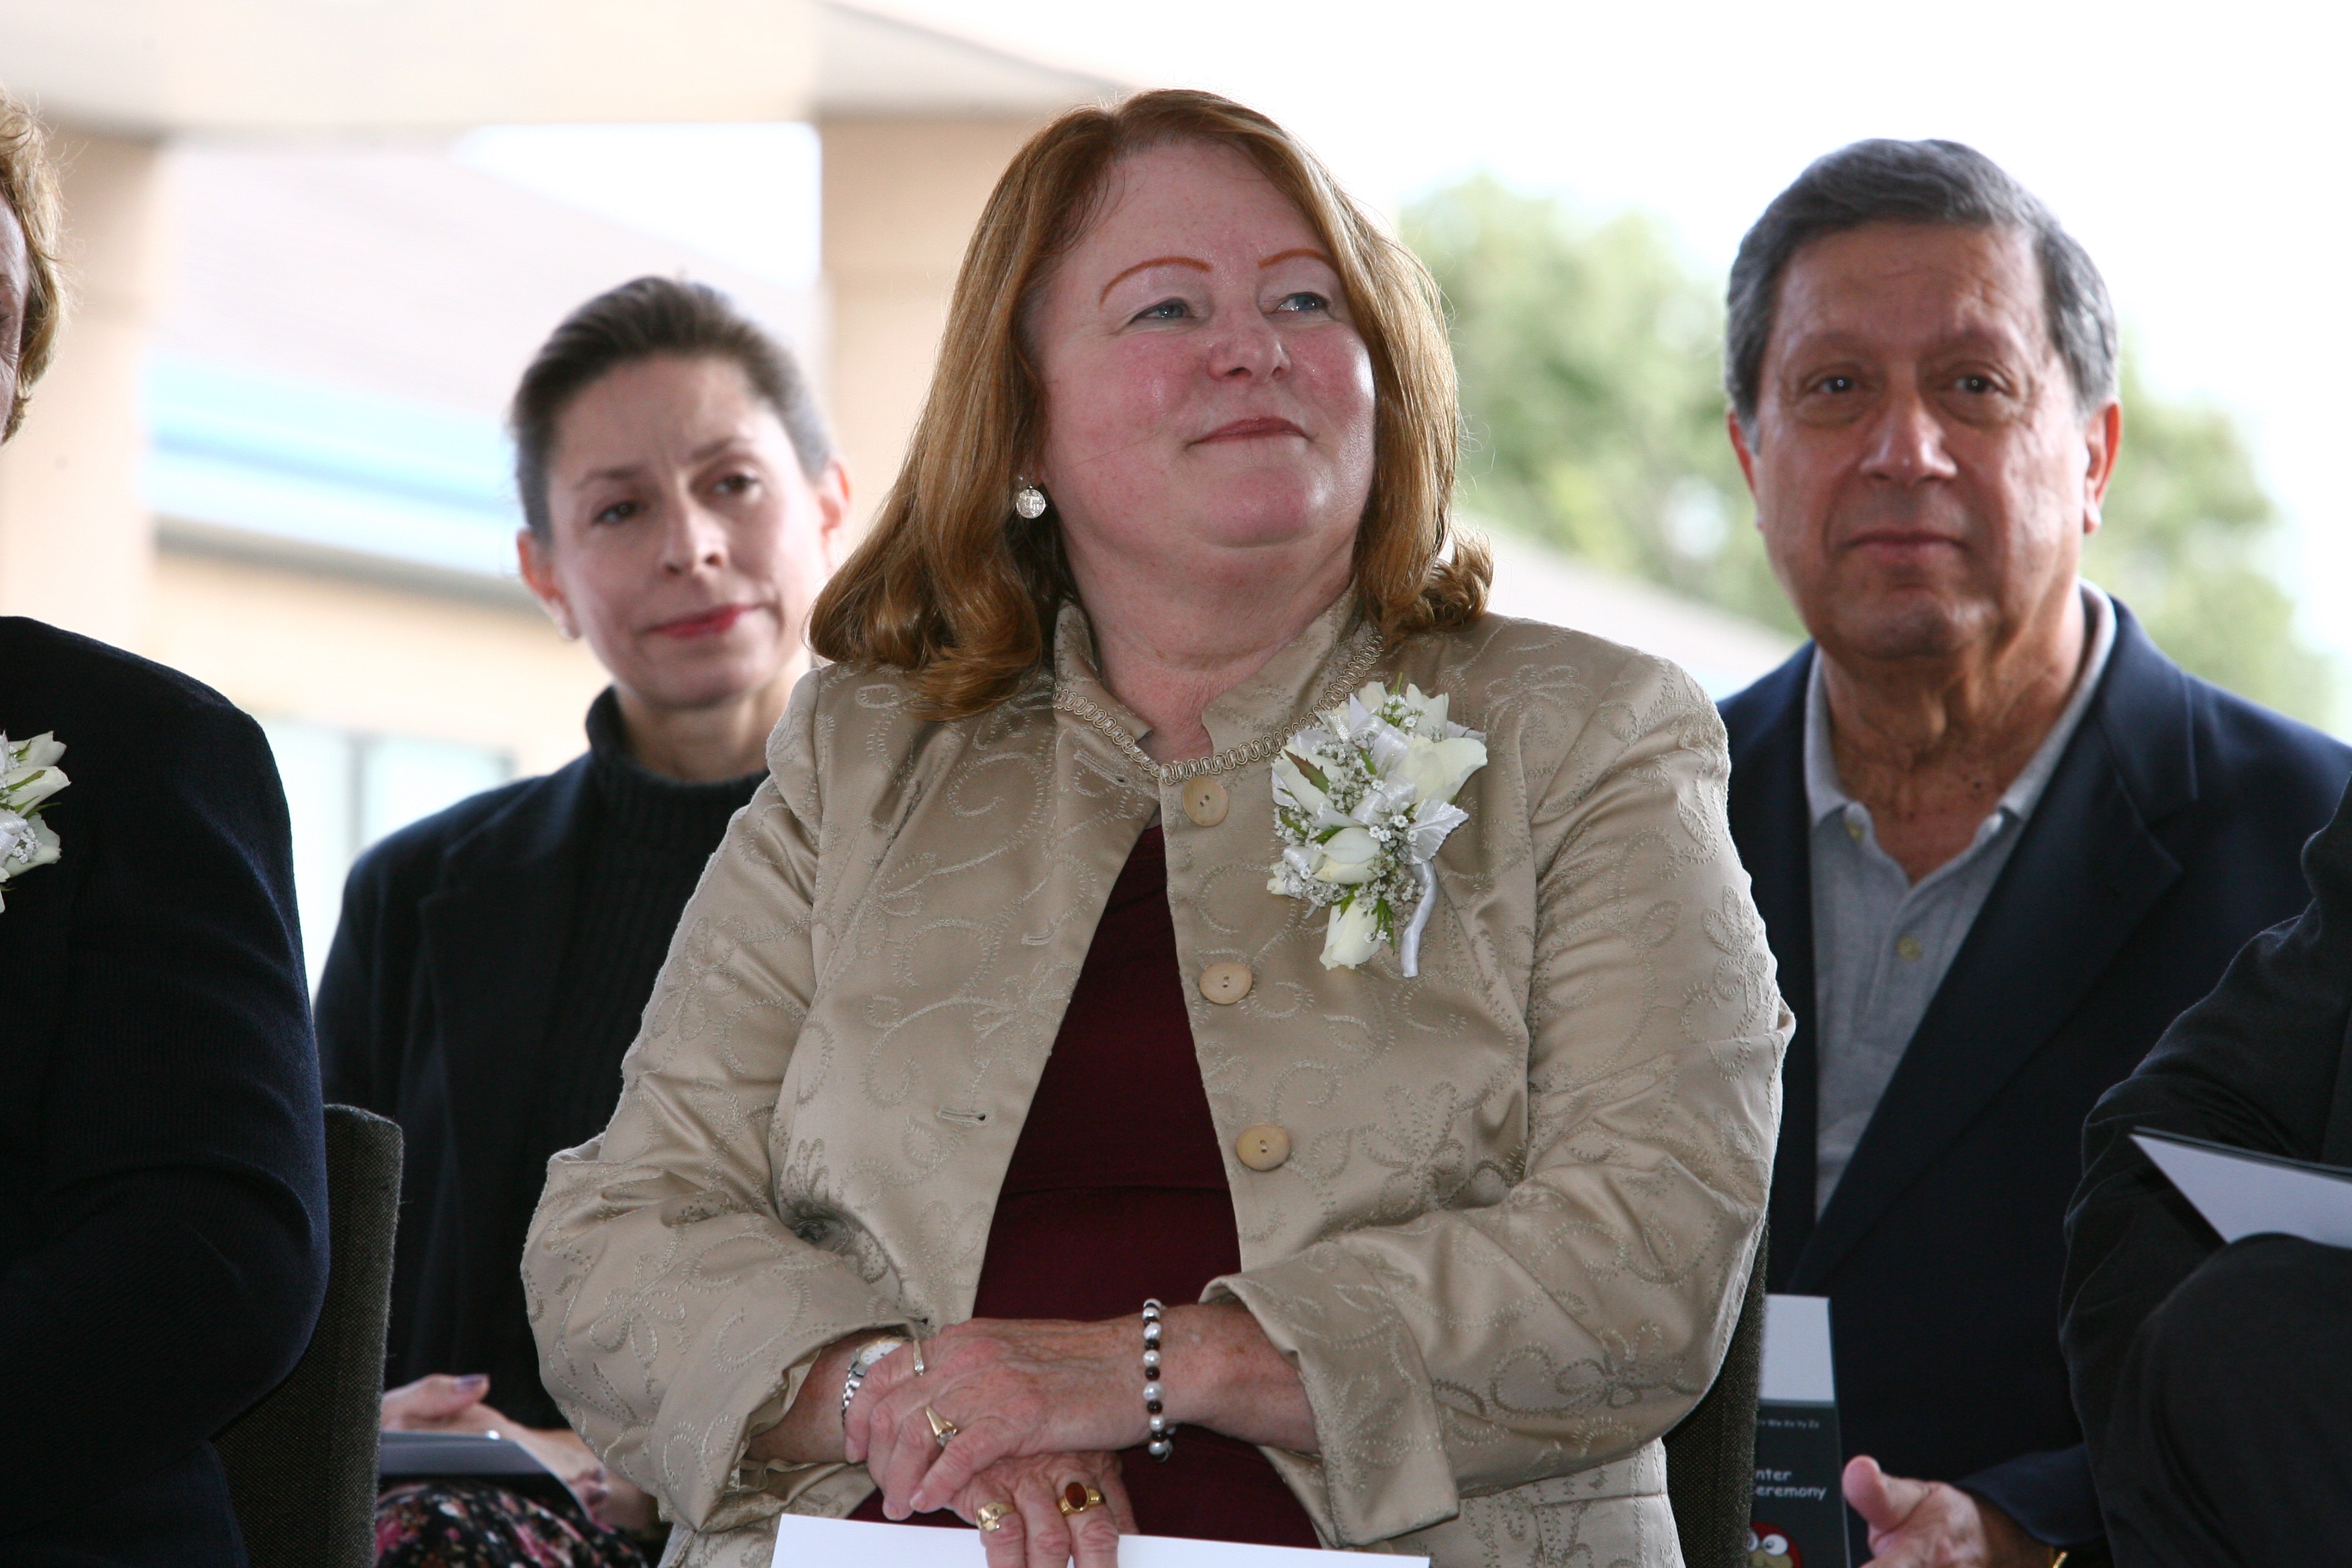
{"x":1029,"y":502}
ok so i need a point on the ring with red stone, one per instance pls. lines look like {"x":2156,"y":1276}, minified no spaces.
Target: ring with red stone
{"x":1076,"y":1498}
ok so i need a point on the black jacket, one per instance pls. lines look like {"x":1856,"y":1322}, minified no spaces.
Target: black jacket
{"x":162,"y":1169}
{"x":2166,"y":836}
{"x":436,"y":998}
{"x":2263,"y":1063}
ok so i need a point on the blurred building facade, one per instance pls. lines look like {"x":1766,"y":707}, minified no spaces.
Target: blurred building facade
{"x":268,"y":452}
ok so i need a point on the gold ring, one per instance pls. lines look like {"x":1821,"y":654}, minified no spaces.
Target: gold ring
{"x":1076,"y":1498}
{"x":919,"y":1367}
{"x":941,"y":1427}
{"x":991,"y":1515}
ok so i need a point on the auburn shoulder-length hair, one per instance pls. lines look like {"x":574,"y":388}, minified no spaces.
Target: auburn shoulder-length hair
{"x":958,"y":592}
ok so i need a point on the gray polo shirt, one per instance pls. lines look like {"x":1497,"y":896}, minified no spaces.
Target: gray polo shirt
{"x":1881,"y":943}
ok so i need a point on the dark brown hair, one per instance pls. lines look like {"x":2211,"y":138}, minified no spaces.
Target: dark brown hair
{"x":644,"y":318}
{"x":957,"y":590}
{"x":28,"y":185}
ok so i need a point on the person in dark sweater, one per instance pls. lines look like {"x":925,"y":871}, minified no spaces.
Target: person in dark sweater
{"x":163,"y":1164}
{"x":683,"y":504}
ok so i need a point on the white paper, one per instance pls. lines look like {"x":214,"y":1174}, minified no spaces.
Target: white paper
{"x":1797,"y":1366}
{"x":804,"y":1542}
{"x":2243,"y":1194}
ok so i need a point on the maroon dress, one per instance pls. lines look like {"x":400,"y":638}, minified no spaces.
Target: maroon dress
{"x":1116,"y":1192}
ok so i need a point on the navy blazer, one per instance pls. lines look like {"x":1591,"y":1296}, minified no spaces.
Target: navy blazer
{"x":162,"y":1164}
{"x":2166,"y":836}
{"x":436,"y":998}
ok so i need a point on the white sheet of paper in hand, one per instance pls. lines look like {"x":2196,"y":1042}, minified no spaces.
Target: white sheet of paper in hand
{"x":2242,"y":1193}
{"x":804,"y":1542}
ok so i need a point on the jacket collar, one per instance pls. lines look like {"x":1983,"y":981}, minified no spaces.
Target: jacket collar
{"x":2144,"y":711}
{"x":1335,"y":653}
{"x":2085,"y":871}
{"x":540,"y":825}
{"x":1769,"y":824}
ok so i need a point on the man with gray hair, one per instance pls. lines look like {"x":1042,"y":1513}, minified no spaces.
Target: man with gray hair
{"x":1999,"y":840}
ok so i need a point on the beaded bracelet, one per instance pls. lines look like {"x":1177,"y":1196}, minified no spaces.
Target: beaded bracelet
{"x":1160,"y":1444}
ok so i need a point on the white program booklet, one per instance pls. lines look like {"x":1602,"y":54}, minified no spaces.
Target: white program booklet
{"x":803,"y":1543}
{"x":1797,"y":1365}
{"x":2243,"y":1194}
{"x":1799,"y":1513}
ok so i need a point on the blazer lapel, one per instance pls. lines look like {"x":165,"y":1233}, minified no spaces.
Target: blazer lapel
{"x":36,"y":925}
{"x":1768,"y":824}
{"x":35,"y":930}
{"x":493,"y":936}
{"x":2080,"y":881}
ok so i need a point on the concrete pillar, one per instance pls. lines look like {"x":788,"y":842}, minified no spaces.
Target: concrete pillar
{"x":901,"y":199}
{"x":77,"y":545}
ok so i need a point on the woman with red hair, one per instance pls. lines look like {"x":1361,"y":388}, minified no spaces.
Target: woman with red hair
{"x":1202,"y":1030}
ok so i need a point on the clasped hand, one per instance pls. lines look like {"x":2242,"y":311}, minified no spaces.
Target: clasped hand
{"x":1037,"y":1406}
{"x":1012,"y":1388}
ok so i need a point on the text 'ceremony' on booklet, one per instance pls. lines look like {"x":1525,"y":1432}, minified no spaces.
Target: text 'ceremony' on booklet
{"x":2243,"y":1194}
{"x":1798,"y":1516}
{"x":804,"y":1542}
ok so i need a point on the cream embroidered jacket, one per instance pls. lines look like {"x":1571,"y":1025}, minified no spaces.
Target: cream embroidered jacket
{"x":1509,"y":1246}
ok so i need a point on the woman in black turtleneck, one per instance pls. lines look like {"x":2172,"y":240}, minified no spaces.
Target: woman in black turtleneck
{"x":684,"y":507}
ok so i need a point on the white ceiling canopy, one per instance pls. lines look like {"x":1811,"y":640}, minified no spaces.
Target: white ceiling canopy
{"x":879,"y":65}
{"x":163,"y":66}
{"x":170,"y":66}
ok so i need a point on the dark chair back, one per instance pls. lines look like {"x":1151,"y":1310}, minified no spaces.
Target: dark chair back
{"x":302,"y":1463}
{"x":1711,"y":1457}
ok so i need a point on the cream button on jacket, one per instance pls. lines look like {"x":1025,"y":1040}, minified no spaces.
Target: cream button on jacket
{"x":1508,"y":1243}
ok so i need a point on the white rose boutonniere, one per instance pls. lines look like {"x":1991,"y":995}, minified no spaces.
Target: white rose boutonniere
{"x":1361,"y":802}
{"x":29,"y":775}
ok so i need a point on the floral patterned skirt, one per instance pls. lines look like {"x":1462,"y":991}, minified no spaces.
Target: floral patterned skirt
{"x":471,"y":1524}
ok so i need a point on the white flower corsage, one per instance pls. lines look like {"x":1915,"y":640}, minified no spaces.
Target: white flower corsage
{"x":1361,"y":802}
{"x":29,"y":775}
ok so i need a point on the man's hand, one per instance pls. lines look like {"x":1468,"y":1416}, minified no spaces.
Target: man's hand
{"x":1926,"y":1524}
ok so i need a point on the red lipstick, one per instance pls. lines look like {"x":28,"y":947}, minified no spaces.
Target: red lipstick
{"x":1252,"y":429}
{"x":706,"y":624}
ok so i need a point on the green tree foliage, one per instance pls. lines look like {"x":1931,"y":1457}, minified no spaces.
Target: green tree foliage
{"x":1593,"y":393}
{"x":1591,"y":383}
{"x":2185,"y":543}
